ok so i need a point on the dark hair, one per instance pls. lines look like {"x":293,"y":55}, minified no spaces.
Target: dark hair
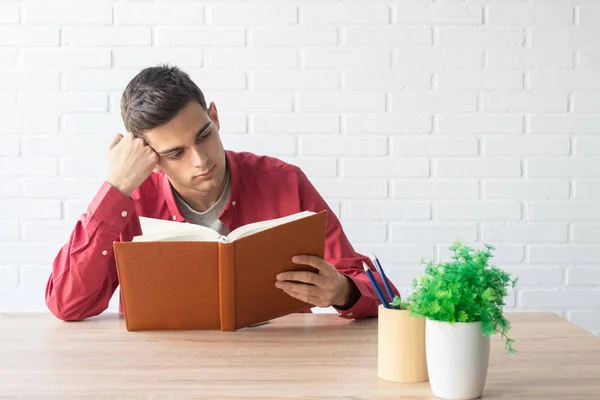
{"x":155,"y":96}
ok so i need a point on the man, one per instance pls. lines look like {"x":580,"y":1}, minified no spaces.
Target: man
{"x":172,"y":165}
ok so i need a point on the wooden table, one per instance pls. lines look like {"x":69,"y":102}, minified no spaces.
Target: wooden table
{"x":317,"y":356}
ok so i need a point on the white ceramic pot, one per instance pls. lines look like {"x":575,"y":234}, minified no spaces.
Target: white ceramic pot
{"x":457,"y":359}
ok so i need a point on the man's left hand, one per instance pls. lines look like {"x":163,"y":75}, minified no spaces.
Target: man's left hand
{"x":323,"y":289}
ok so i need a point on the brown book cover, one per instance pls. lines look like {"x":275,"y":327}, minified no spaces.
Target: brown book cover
{"x":178,"y":283}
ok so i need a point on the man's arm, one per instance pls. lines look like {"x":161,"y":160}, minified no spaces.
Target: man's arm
{"x":340,"y":253}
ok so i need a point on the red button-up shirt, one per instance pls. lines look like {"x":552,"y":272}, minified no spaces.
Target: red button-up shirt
{"x":84,"y":276}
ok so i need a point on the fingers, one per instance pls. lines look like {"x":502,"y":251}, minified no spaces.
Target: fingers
{"x":301,"y":276}
{"x":115,"y":141}
{"x":313,"y":261}
{"x":316,"y":301}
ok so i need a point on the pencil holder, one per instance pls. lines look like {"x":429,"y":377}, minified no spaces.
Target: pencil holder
{"x":401,"y":346}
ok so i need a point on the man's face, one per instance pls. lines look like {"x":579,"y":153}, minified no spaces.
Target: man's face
{"x":190,"y":150}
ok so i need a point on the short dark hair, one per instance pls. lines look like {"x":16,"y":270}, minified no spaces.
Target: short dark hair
{"x":155,"y":95}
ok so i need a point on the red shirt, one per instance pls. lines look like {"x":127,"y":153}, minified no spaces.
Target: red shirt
{"x":84,"y":276}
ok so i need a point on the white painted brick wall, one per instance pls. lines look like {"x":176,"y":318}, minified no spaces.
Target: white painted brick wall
{"x":421,"y":122}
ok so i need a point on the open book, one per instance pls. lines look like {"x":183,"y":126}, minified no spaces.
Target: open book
{"x":164,"y":230}
{"x":181,"y":276}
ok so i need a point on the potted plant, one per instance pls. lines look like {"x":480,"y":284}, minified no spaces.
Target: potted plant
{"x":462,"y":302}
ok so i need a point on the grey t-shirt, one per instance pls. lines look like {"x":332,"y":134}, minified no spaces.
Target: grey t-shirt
{"x":210,"y":217}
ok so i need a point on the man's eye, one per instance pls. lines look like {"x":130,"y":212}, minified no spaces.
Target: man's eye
{"x":204,"y":136}
{"x":176,"y":155}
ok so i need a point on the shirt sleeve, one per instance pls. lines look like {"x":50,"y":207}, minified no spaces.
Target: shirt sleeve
{"x":84,"y":277}
{"x":340,"y":253}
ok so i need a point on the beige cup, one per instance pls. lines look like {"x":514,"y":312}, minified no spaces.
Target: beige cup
{"x":401,"y":346}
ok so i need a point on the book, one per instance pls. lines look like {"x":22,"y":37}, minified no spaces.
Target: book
{"x":182,"y":276}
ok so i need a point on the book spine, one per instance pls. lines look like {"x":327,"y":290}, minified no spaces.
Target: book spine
{"x":227,"y":286}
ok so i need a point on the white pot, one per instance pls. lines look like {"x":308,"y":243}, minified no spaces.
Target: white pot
{"x":457,"y":359}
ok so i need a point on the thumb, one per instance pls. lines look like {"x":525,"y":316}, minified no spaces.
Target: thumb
{"x":115,"y":141}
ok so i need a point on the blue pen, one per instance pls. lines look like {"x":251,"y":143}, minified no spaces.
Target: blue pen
{"x":376,"y":286}
{"x":384,"y":278}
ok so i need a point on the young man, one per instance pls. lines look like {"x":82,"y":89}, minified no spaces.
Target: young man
{"x":172,"y":165}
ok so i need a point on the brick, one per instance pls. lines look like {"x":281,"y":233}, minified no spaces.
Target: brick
{"x":98,"y":79}
{"x":502,"y":254}
{"x":431,"y":103}
{"x":63,"y":102}
{"x":218,"y":79}
{"x":477,"y":210}
{"x":10,"y":187}
{"x":386,"y":123}
{"x":340,"y":146}
{"x":252,"y":58}
{"x":159,"y":14}
{"x":9,"y":58}
{"x":587,"y":146}
{"x":386,"y":210}
{"x":477,"y":167}
{"x":564,"y":37}
{"x":585,"y":232}
{"x":233,"y":123}
{"x":519,"y":232}
{"x":564,"y":80}
{"x":367,"y":57}
{"x":563,"y":210}
{"x":525,"y":189}
{"x":293,"y":36}
{"x":428,"y":233}
{"x":528,"y":59}
{"x":295,"y":123}
{"x":341,"y":102}
{"x":67,"y":14}
{"x":315,"y":166}
{"x":35,"y":276}
{"x":345,"y":14}
{"x":28,"y":123}
{"x":305,"y":79}
{"x":74,"y":209}
{"x":8,"y":101}
{"x":530,"y":14}
{"x":261,"y":144}
{"x":253,"y":102}
{"x":403,"y":254}
{"x":483,"y":38}
{"x":253,"y":14}
{"x":65,"y":59}
{"x":586,"y":102}
{"x":387,"y":80}
{"x":10,"y":231}
{"x":526,"y":146}
{"x":587,"y":319}
{"x":27,"y":253}
{"x":565,"y":124}
{"x":66,"y":145}
{"x":9,"y":276}
{"x":435,"y":59}
{"x":560,"y":298}
{"x":434,"y":146}
{"x":11,"y":146}
{"x":365,"y":232}
{"x":143,"y":57}
{"x":589,"y":58}
{"x":438,"y":14}
{"x":101,"y":36}
{"x":192,"y":36}
{"x":589,"y":14}
{"x":587,"y":189}
{"x":351,"y":188}
{"x":76,"y":167}
{"x":27,"y":36}
{"x":389,"y":36}
{"x":536,"y":275}
{"x":524,"y":102}
{"x":48,"y":231}
{"x":101,"y":123}
{"x":59,"y":188}
{"x":28,"y":166}
{"x":479,"y":80}
{"x":480,"y":123}
{"x":435,"y":189}
{"x":394,"y":167}
{"x":563,"y":167}
{"x":9,"y":14}
{"x":26,"y":209}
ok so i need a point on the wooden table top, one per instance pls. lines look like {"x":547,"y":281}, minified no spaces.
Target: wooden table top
{"x":317,"y":356}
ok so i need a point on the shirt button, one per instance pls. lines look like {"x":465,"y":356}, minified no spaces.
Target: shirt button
{"x":174,"y":217}
{"x":104,"y":252}
{"x":350,"y":314}
{"x":124,"y":214}
{"x":233,"y":203}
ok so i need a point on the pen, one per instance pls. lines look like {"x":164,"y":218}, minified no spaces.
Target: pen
{"x":384,"y":278}
{"x":376,"y":286}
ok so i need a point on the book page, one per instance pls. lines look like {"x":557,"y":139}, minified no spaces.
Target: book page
{"x":254,"y":227}
{"x":154,"y":230}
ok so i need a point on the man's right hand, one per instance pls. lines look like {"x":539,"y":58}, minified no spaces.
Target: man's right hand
{"x":130,"y":162}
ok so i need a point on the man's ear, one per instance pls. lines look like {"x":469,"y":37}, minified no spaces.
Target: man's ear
{"x":214,"y":114}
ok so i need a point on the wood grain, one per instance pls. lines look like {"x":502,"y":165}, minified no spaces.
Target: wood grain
{"x":317,"y":356}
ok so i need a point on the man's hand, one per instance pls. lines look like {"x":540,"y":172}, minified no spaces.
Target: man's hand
{"x":130,"y":162}
{"x":324,"y":289}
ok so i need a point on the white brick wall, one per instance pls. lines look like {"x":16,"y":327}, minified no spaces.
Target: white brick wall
{"x":420,"y":121}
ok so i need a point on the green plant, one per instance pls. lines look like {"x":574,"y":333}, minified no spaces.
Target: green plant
{"x":466,"y":289}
